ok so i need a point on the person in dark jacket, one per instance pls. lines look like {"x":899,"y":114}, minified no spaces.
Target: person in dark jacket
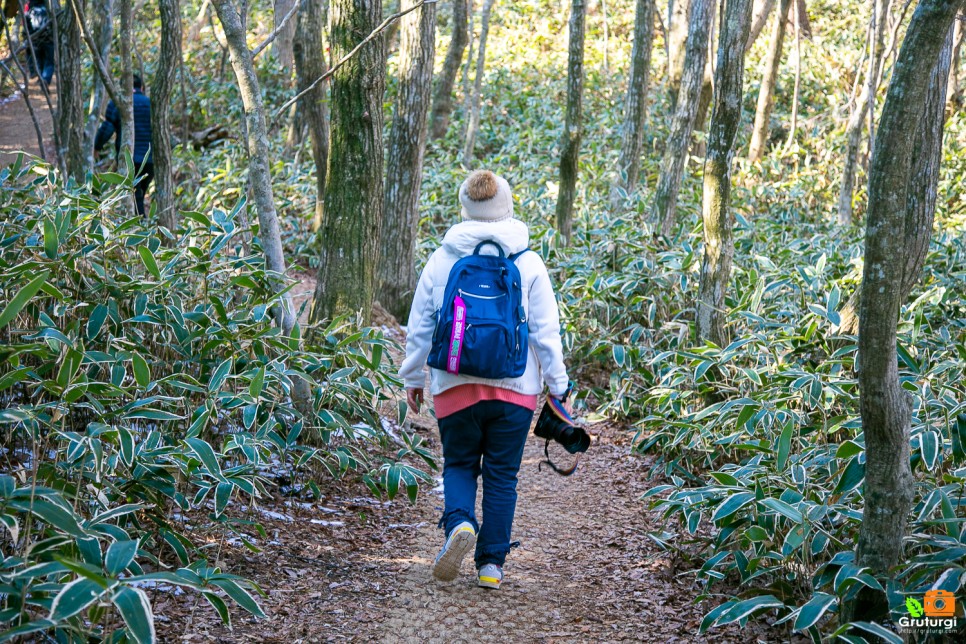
{"x":40,"y":49}
{"x":142,"y":139}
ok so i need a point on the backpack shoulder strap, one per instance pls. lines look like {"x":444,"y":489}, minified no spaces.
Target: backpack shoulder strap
{"x":514,"y":256}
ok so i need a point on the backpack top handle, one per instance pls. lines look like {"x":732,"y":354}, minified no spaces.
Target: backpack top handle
{"x":499,"y":248}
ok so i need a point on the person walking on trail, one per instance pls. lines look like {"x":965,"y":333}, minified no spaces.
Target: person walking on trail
{"x":457,"y":322}
{"x":111,"y":126}
{"x":40,"y":40}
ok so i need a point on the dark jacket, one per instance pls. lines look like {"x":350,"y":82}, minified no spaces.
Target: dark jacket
{"x":142,"y":128}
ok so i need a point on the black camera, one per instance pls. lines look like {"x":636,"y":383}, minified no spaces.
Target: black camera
{"x":555,"y":424}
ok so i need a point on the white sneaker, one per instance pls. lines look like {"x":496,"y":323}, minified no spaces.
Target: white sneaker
{"x":461,"y":540}
{"x":489,"y":576}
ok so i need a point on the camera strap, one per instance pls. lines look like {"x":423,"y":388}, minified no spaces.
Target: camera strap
{"x":561,"y":472}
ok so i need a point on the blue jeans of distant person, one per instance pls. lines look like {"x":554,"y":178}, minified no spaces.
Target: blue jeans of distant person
{"x":486,"y":438}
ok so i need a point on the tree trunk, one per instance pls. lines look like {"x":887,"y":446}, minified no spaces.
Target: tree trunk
{"x":759,"y":20}
{"x":866,"y":102}
{"x":310,"y":65}
{"x":443,"y":97}
{"x":473,"y":100}
{"x":635,"y":104}
{"x":125,"y":104}
{"x":766,"y":94}
{"x":707,"y":85}
{"x":259,"y":173}
{"x":910,"y":127}
{"x":283,"y":45}
{"x":793,"y":125}
{"x":70,"y":94}
{"x":102,"y":28}
{"x":679,"y":139}
{"x":719,"y":246}
{"x":404,"y":167}
{"x":570,"y":139}
{"x":169,"y":60}
{"x":677,"y":36}
{"x":352,"y":218}
{"x":953,"y":99}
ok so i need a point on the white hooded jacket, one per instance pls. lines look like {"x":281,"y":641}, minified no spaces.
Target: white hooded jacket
{"x":545,"y":357}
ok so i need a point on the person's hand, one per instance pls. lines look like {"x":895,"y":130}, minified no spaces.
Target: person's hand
{"x":567,"y":404}
{"x":414,"y":396}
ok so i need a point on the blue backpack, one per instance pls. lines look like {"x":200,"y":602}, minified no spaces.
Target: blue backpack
{"x":481,"y":329}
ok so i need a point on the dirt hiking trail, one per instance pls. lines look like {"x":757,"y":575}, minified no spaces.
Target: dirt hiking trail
{"x":17,"y":133}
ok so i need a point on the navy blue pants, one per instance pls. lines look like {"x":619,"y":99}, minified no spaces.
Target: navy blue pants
{"x":486,"y":438}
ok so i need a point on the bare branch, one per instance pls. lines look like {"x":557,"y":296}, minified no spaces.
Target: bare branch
{"x":278,"y":28}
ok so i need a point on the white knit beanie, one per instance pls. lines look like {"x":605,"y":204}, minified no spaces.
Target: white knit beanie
{"x":486,"y":197}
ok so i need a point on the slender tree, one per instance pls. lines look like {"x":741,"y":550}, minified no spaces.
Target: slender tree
{"x":70,"y":92}
{"x":125,"y":98}
{"x":570,"y":139}
{"x":865,"y":103}
{"x":759,"y":19}
{"x":766,"y":94}
{"x":910,"y":129}
{"x":682,"y":124}
{"x":793,"y":125}
{"x":283,"y":45}
{"x":102,"y":28}
{"x":635,"y":102}
{"x":169,"y":61}
{"x":259,"y":162}
{"x":310,"y":65}
{"x":443,"y":95}
{"x":676,"y":42}
{"x":352,"y":219}
{"x":719,"y":245}
{"x":473,"y":98}
{"x":404,"y":167}
{"x":953,"y":98}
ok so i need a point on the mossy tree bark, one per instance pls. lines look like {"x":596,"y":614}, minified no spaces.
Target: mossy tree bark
{"x":865,"y":103}
{"x":169,"y":61}
{"x":573,"y":129}
{"x":446,"y":81}
{"x":766,"y":93}
{"x":259,"y":163}
{"x":682,"y":124}
{"x":309,"y":55}
{"x":635,"y":102}
{"x":910,"y":128}
{"x":353,"y":206}
{"x":719,"y":245}
{"x":404,"y":166}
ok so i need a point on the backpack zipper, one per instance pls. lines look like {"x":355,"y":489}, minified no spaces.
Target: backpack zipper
{"x":481,"y":297}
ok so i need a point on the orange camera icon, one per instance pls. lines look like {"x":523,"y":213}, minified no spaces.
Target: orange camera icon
{"x":939,"y":603}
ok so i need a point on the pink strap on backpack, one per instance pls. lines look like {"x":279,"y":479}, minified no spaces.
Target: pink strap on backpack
{"x":456,"y":339}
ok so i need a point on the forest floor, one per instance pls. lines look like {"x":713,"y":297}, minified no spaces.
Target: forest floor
{"x":347,"y":567}
{"x":17,"y":132}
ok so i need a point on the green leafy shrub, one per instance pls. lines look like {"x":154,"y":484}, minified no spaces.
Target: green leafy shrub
{"x":142,"y":377}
